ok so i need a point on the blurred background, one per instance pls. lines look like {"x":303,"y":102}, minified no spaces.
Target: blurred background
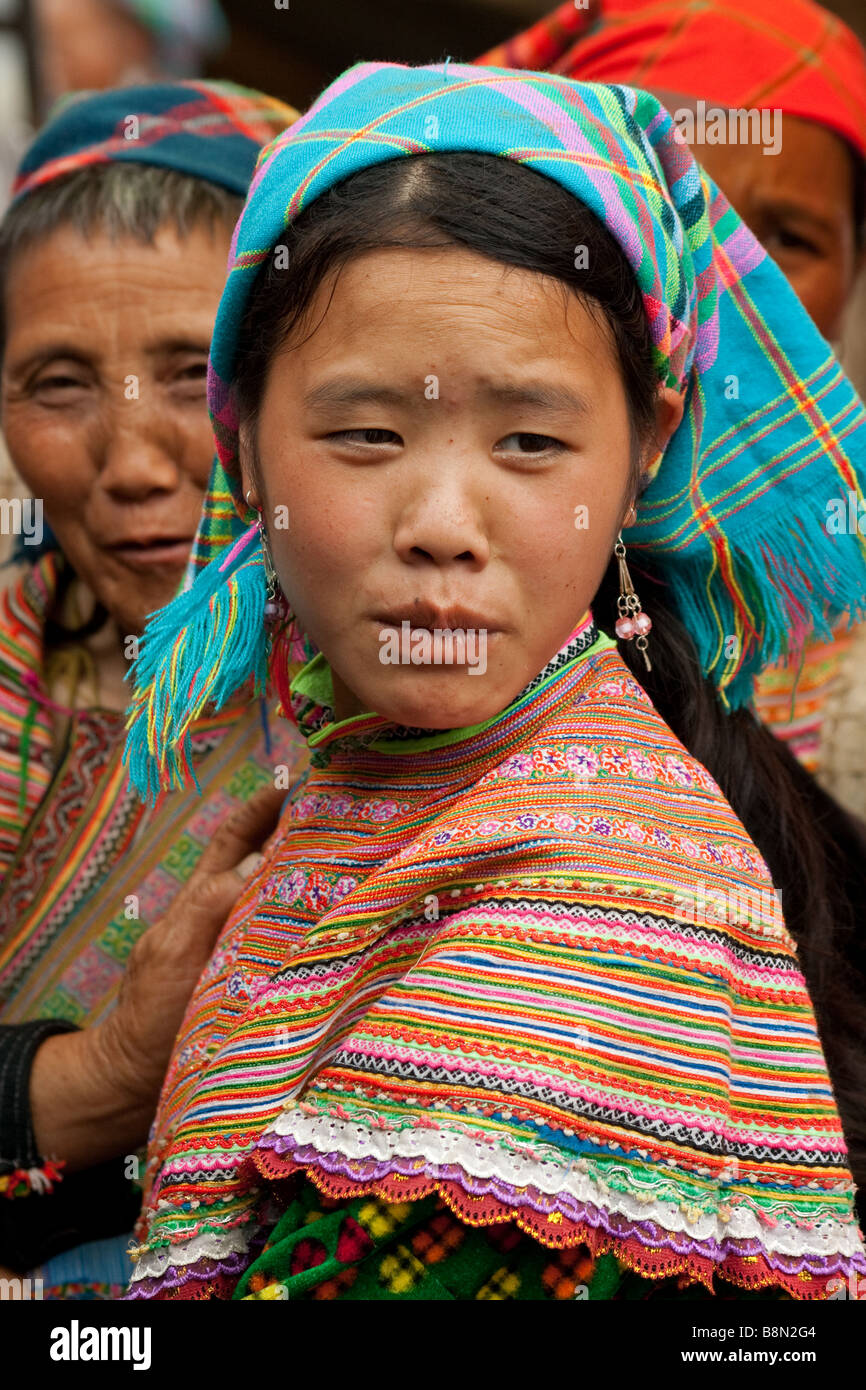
{"x":290,"y":48}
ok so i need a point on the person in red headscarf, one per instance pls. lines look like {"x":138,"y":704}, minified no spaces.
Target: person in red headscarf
{"x":803,"y":195}
{"x":772,"y":97}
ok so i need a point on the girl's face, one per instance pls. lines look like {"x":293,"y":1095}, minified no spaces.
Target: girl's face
{"x":449,"y":441}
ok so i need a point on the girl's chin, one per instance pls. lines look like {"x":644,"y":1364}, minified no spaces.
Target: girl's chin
{"x":441,"y":703}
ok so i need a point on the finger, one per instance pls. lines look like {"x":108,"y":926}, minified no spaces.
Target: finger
{"x":249,"y":865}
{"x":243,"y":833}
{"x":189,"y":930}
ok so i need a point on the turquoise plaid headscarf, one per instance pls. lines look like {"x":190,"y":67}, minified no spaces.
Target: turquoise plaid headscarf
{"x":734,"y":517}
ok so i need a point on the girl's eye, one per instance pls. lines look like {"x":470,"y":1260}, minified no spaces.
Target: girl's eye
{"x":523,"y":443}
{"x":371,"y":436}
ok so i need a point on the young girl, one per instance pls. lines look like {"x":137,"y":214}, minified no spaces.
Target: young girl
{"x":510,"y":1010}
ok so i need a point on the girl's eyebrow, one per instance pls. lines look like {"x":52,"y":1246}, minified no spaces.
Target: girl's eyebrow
{"x":349,"y":391}
{"x":539,"y":395}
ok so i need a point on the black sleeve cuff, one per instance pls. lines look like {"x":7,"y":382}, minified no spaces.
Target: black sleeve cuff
{"x":19,"y":1043}
{"x":86,"y":1205}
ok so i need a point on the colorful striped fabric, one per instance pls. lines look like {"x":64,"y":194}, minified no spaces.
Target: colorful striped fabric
{"x":536,"y":967}
{"x":25,"y":725}
{"x":86,"y":867}
{"x":209,"y":130}
{"x":733,"y":517}
{"x":792,"y":701}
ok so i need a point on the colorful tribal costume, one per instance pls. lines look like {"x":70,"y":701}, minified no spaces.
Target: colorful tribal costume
{"x":474,"y":1029}
{"x":802,"y":60}
{"x":85,"y":868}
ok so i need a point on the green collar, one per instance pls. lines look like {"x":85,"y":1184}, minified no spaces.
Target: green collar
{"x":313,"y":702}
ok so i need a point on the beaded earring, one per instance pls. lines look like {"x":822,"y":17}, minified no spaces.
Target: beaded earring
{"x":276,"y":611}
{"x":632,"y":623}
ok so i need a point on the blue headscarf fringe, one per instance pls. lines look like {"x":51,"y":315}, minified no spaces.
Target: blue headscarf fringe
{"x":215,"y":630}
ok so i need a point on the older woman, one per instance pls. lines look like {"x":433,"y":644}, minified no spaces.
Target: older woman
{"x":112,"y":258}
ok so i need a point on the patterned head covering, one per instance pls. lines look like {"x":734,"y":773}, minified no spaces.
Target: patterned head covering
{"x":795,"y":56}
{"x":210,"y":130}
{"x":734,"y":513}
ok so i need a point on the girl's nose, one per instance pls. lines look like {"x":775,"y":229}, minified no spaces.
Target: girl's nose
{"x":442,"y":526}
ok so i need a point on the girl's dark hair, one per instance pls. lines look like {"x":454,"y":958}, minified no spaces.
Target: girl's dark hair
{"x":816,"y":853}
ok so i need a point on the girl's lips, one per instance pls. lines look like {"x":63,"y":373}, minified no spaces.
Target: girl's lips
{"x":170,"y":554}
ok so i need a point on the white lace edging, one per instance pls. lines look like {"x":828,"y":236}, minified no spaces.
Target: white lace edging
{"x":440,"y":1148}
{"x":210,"y":1245}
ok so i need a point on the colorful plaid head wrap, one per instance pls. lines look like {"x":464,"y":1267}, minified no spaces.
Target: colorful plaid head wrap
{"x":796,"y":56}
{"x":210,"y":130}
{"x":734,"y":513}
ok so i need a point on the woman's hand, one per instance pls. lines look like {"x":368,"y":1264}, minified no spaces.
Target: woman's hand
{"x":93,"y":1093}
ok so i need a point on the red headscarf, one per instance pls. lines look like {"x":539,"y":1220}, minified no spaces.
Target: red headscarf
{"x":787,"y":54}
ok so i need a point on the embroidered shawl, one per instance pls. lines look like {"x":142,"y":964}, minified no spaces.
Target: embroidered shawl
{"x":537,"y":967}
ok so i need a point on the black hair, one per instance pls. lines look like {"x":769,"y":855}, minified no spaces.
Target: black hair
{"x":815,"y":852}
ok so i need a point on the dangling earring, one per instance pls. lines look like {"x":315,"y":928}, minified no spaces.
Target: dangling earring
{"x":632,"y":621}
{"x":285,"y":642}
{"x":276,"y":610}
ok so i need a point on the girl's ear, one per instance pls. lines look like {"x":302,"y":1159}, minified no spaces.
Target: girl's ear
{"x":669,"y":412}
{"x":249,"y":472}
{"x":669,"y":408}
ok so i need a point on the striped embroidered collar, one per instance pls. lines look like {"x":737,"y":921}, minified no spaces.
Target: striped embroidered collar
{"x":313,"y":705}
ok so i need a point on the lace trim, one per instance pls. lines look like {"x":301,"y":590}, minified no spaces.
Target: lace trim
{"x":647,"y":1250}
{"x":211,"y":1278}
{"x":208,"y":1266}
{"x":555,"y":1193}
{"x":222,"y":1248}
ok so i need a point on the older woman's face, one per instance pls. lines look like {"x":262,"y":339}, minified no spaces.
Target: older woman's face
{"x":104,"y":402}
{"x":800,"y":205}
{"x":452,"y":443}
